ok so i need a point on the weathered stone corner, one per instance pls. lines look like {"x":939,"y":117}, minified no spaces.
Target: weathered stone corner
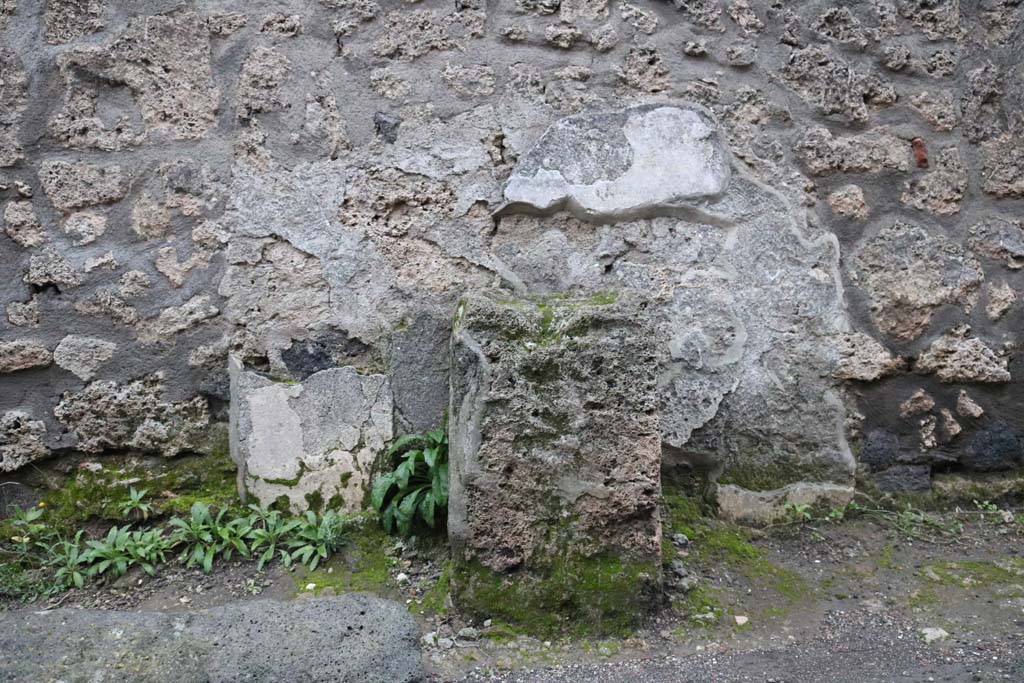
{"x":555,"y":454}
{"x":311,"y":443}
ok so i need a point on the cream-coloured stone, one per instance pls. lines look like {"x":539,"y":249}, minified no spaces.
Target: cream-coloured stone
{"x":949,"y":423}
{"x":23,"y":313}
{"x":21,"y":224}
{"x":150,"y":218}
{"x":863,"y":358}
{"x":85,"y":227}
{"x":177,"y":319}
{"x":873,"y":152}
{"x":22,"y":355}
{"x":1001,"y":298}
{"x":317,"y":439}
{"x":77,"y":185}
{"x":919,"y":402}
{"x":941,"y":109}
{"x":764,"y":507}
{"x":908,"y":272}
{"x":22,"y":440}
{"x":959,"y":357}
{"x":941,"y":191}
{"x":109,"y":415}
{"x":848,"y":201}
{"x":967,"y":406}
{"x":83,"y":356}
{"x":926,"y":433}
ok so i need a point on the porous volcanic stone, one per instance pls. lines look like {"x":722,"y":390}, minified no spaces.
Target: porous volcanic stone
{"x":350,"y":639}
{"x":555,"y":458}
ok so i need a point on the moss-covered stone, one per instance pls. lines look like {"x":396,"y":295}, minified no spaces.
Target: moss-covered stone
{"x":97,"y":489}
{"x":771,"y":475}
{"x":435,"y":599}
{"x":975,"y":573}
{"x":571,"y":597}
{"x":361,"y":566}
{"x":717,"y":543}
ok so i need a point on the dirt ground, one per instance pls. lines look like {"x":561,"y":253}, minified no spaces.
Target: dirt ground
{"x":801,"y":603}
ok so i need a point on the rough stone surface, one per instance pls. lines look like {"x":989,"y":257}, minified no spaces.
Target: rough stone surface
{"x":823,"y":153}
{"x":301,"y":184}
{"x":1001,"y":239}
{"x":1001,"y":298}
{"x":704,"y":259}
{"x":765,"y":507}
{"x":22,"y":440}
{"x":109,"y":415}
{"x":1002,"y":168}
{"x":314,"y":442}
{"x":998,"y":447}
{"x":848,"y":201}
{"x":354,"y":638}
{"x":617,"y":166}
{"x":941,"y":191}
{"x":554,"y":425}
{"x":908,"y":273}
{"x":83,"y":356}
{"x":967,"y":406}
{"x":959,"y":357}
{"x":904,"y":479}
{"x":863,"y":358}
{"x":22,"y":355}
{"x":72,"y":186}
{"x":21,"y":224}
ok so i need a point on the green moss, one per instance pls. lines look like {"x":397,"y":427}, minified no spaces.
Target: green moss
{"x":571,"y":596}
{"x":701,"y":600}
{"x":966,"y":487}
{"x":603,"y":298}
{"x":293,"y":481}
{"x":211,"y":480}
{"x":315,"y":501}
{"x":976,"y":573}
{"x":770,"y":475}
{"x":923,"y":598}
{"x":500,"y":632}
{"x":172,"y":485}
{"x":18,"y":583}
{"x":362,"y":566}
{"x":435,"y":599}
{"x":884,"y":560}
{"x":716,"y":543}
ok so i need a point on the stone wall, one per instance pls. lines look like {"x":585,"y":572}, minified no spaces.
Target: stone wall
{"x":312,"y":184}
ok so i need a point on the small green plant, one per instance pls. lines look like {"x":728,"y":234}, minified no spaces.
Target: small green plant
{"x":837,"y":514}
{"x":136,"y":507}
{"x":233,"y":536}
{"x":317,"y":538}
{"x":417,"y":487}
{"x":798,"y":512}
{"x":986,"y":507}
{"x":31,"y":535}
{"x":198,"y":534}
{"x":270,"y":535}
{"x":149,"y":548}
{"x":70,"y":562}
{"x":40,"y":561}
{"x":110,"y":554}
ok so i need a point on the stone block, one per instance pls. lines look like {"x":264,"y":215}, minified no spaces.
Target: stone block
{"x":352,"y":638}
{"x":555,"y":454}
{"x":313,"y":442}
